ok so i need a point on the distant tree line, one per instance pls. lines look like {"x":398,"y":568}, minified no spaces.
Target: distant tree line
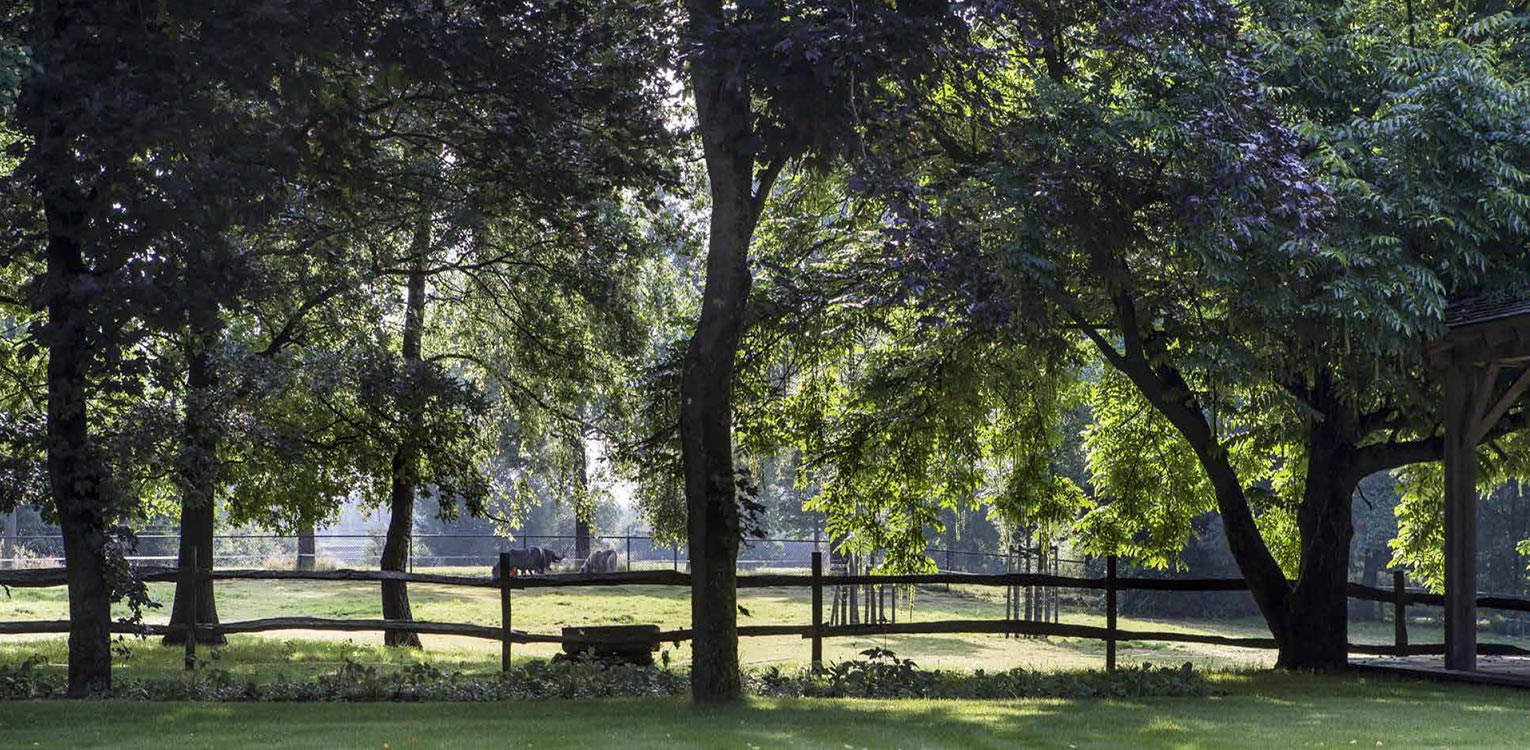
{"x":1082,"y":271}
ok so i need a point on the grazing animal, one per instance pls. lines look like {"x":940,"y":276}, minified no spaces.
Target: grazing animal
{"x":546,"y":558}
{"x":524,"y":561}
{"x":603,"y":561}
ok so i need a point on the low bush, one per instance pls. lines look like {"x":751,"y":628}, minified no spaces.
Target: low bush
{"x":882,"y":674}
{"x":878,"y":674}
{"x":356,"y":682}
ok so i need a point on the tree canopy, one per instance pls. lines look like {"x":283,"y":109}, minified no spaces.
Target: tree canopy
{"x":1093,"y":268}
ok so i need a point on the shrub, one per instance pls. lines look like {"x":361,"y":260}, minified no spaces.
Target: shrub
{"x":878,"y":674}
{"x":881,"y":674}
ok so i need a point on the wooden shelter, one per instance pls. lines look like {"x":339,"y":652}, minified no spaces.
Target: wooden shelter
{"x":1484,"y":358}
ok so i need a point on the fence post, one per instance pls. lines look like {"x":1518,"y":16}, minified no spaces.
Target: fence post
{"x":1110,"y":613}
{"x":629,"y":552}
{"x":675,"y":553}
{"x":1400,"y":610}
{"x":504,"y":611}
{"x":817,"y":610}
{"x":189,"y":575}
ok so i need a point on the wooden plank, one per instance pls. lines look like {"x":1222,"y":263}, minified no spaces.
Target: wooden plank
{"x":345,"y":574}
{"x":1492,"y":672}
{"x":50,"y":577}
{"x":1485,"y":384}
{"x":1062,"y":630}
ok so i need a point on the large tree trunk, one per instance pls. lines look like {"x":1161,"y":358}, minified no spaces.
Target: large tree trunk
{"x":706,"y":416}
{"x":395,"y":555}
{"x":307,"y":549}
{"x":8,"y":537}
{"x":199,"y":465}
{"x":406,"y":458}
{"x":1315,"y":631}
{"x":1316,"y":627}
{"x":1308,"y":619}
{"x":73,"y":475}
{"x":196,"y":536}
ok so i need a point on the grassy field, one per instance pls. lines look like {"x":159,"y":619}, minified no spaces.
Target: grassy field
{"x":1264,"y":711}
{"x":547,"y":610}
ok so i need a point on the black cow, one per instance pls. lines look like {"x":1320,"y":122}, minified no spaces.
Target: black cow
{"x":531,"y":560}
{"x":523,"y":560}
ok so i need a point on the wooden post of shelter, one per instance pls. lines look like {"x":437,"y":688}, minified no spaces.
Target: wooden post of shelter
{"x":1484,"y":359}
{"x":1400,"y":611}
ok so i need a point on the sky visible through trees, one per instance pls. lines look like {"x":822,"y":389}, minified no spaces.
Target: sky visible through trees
{"x":1097,"y":270}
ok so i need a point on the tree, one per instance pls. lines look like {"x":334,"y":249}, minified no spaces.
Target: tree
{"x":771,"y":82}
{"x":147,"y":135}
{"x":1139,"y":189}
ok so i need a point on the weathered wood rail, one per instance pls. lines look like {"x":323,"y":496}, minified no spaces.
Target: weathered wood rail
{"x":1399,"y":596}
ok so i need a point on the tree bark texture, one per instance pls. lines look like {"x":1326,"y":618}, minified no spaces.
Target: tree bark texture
{"x":1308,"y":618}
{"x":307,"y":549}
{"x":406,"y":458}
{"x":724,"y":114}
{"x":74,"y":475}
{"x":199,"y":462}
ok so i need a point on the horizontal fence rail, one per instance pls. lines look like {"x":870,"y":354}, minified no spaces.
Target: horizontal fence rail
{"x":1399,"y":596}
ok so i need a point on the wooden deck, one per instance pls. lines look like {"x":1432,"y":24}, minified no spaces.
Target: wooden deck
{"x":1507,"y":671}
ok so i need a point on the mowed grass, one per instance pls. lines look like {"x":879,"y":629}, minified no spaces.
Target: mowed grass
{"x":546,"y":610}
{"x":1258,"y":711}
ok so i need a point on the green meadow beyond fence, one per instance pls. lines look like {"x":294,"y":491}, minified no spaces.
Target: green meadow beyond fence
{"x":1399,"y":596}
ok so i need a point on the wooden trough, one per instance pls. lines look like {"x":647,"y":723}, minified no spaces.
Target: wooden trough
{"x":612,"y":644}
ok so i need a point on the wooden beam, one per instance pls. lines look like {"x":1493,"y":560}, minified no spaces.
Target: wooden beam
{"x":1460,"y":520}
{"x":1483,"y":391}
{"x":1484,"y":423}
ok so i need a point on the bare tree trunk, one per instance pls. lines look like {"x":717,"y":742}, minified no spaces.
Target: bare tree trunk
{"x":706,"y":417}
{"x":1316,"y":628}
{"x":406,"y":458}
{"x":8,"y":537}
{"x":199,"y":465}
{"x":74,"y":475}
{"x":1308,"y":619}
{"x":307,"y":550}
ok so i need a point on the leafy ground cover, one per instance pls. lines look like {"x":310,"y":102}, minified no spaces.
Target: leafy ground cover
{"x":1253,"y":711}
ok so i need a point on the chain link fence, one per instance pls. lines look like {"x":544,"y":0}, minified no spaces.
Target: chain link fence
{"x":634,"y":552}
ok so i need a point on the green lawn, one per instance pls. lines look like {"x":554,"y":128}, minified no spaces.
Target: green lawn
{"x":1259,"y":711}
{"x":547,"y":610}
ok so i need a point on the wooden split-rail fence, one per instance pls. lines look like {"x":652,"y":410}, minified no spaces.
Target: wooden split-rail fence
{"x":1111,"y":584}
